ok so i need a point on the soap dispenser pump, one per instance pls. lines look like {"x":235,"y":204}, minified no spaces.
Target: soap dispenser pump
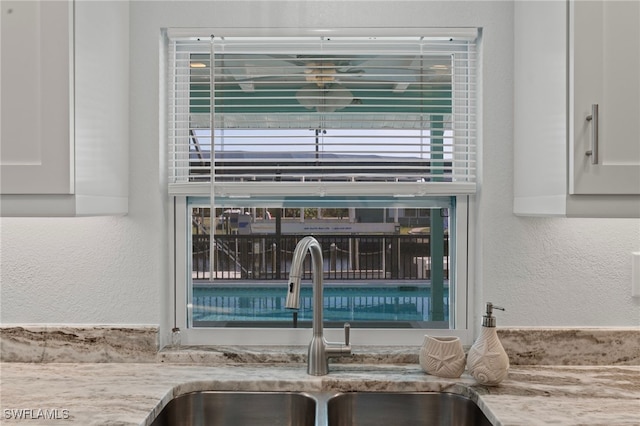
{"x":487,"y":360}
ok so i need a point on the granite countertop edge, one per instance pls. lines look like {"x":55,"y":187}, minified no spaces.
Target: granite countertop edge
{"x":133,"y":394}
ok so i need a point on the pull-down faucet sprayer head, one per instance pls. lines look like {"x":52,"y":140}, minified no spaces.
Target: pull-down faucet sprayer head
{"x":293,"y":293}
{"x":295,"y":274}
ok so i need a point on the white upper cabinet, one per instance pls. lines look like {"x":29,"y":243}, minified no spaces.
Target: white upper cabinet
{"x":37,"y":92}
{"x":577,"y":108}
{"x":604,"y":52}
{"x":65,"y":108}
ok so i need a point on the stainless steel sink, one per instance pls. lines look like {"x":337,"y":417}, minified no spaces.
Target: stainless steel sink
{"x":215,"y":408}
{"x":238,"y":408}
{"x":398,"y":409}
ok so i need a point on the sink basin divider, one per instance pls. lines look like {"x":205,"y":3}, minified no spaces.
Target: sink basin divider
{"x":322,"y":406}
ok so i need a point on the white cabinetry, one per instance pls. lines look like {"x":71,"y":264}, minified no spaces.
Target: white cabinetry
{"x":569,"y":57}
{"x":65,"y":108}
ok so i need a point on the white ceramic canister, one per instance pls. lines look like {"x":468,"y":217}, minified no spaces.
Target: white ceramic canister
{"x":442,"y":356}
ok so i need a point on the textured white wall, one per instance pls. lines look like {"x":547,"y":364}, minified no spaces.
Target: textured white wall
{"x":102,"y":270}
{"x":546,"y":272}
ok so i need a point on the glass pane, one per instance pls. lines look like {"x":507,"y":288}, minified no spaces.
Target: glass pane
{"x":384,"y":267}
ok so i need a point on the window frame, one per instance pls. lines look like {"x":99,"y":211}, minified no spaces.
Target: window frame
{"x":179,"y":230}
{"x":462,"y":291}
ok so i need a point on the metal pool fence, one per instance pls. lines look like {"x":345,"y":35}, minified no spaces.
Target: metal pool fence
{"x":346,"y":257}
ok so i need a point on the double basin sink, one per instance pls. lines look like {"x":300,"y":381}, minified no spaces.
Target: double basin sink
{"x":217,"y":408}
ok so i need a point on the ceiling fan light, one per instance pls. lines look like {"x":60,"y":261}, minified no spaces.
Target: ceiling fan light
{"x":329,"y":100}
{"x":340,"y":97}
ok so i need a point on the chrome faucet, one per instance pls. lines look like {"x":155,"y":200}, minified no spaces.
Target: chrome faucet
{"x":319,"y":349}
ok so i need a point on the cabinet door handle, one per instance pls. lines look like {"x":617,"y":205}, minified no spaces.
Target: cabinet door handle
{"x":593,"y":118}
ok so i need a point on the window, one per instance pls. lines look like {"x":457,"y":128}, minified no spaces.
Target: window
{"x":366,"y":142}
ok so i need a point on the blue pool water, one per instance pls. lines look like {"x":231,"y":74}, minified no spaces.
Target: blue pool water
{"x":342,"y":302}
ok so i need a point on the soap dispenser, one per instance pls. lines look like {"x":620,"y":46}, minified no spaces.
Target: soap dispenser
{"x":487,"y":360}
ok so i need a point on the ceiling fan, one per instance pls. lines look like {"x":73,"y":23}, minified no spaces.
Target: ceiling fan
{"x":325,"y":80}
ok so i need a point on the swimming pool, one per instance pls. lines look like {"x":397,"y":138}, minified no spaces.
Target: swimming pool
{"x":367,"y":304}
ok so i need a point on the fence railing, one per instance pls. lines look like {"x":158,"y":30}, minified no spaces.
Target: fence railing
{"x":346,"y":257}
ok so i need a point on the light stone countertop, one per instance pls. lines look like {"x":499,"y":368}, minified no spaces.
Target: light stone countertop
{"x":133,"y":393}
{"x":114,"y":375}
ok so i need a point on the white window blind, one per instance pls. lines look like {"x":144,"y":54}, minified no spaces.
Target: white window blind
{"x":322,"y":116}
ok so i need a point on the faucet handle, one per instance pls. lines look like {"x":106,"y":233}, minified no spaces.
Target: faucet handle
{"x":347,"y":331}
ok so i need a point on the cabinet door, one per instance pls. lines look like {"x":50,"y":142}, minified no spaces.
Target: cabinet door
{"x":604,"y":70}
{"x":35,"y":142}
